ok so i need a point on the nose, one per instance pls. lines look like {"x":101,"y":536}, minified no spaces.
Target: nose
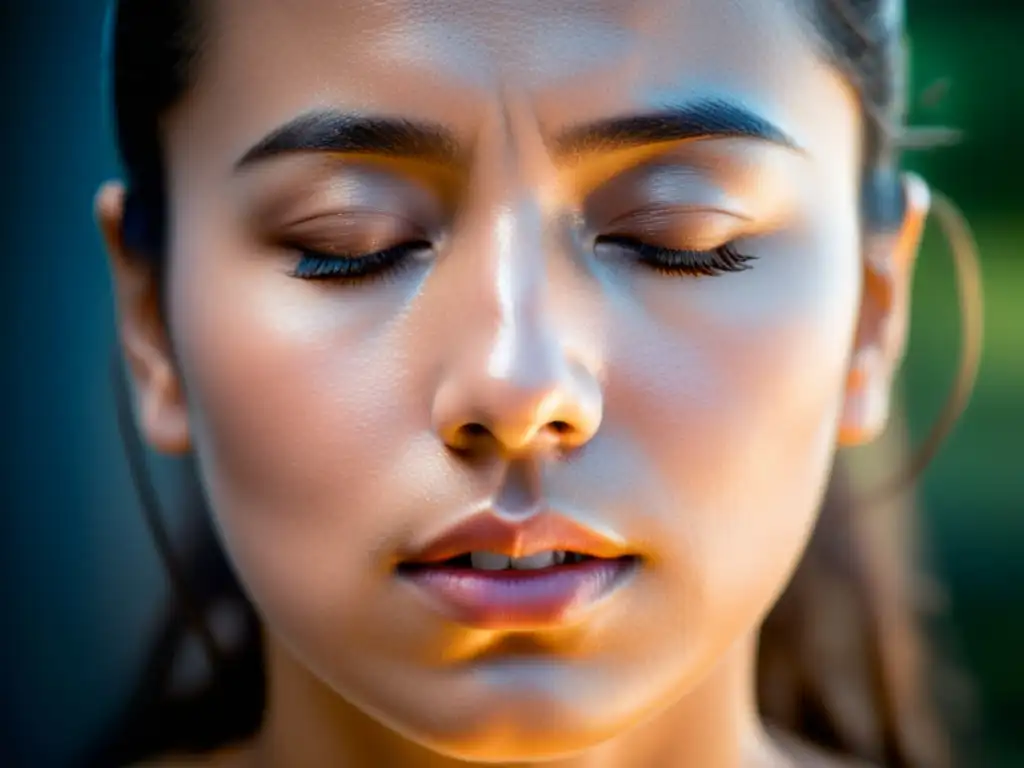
{"x":543,"y":401}
{"x":519,"y":379}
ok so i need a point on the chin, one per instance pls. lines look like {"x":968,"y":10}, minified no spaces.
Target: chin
{"x":528,"y":730}
{"x":515,"y":745}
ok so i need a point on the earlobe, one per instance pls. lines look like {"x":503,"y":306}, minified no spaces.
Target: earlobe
{"x":889,"y":259}
{"x":159,"y":402}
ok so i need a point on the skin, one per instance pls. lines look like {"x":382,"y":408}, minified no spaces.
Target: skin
{"x":699,"y":415}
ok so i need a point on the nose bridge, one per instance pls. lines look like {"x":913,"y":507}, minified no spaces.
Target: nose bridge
{"x":519,"y":285}
{"x":512,"y":247}
{"x":512,"y":370}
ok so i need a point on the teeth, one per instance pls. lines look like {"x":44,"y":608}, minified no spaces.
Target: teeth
{"x":533,"y":562}
{"x":493,"y":561}
{"x":489,"y":561}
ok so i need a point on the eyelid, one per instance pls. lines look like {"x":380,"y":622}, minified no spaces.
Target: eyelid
{"x":307,"y":188}
{"x":663,"y":214}
{"x":353,"y":215}
{"x":675,"y":228}
{"x":350,"y":232}
{"x":355,"y":224}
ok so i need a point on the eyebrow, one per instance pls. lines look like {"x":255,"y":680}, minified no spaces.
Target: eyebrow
{"x":345,"y":133}
{"x":706,"y":119}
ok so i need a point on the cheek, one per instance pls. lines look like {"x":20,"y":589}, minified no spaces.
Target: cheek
{"x":300,"y":411}
{"x":734,"y":392}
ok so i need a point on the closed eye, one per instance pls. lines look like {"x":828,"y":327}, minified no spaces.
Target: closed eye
{"x":315,"y":265}
{"x":673,"y":261}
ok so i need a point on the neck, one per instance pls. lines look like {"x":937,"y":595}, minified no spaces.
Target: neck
{"x":713,"y":726}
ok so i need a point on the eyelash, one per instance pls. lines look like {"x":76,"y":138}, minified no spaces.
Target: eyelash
{"x":352,"y":269}
{"x":683,"y":262}
{"x":388,"y":262}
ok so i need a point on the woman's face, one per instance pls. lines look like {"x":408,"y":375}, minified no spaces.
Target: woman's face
{"x":588,"y":265}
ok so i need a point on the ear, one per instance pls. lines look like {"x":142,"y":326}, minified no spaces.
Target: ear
{"x":159,"y":401}
{"x":884,"y":318}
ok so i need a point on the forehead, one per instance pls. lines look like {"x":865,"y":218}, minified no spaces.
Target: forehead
{"x":450,"y":61}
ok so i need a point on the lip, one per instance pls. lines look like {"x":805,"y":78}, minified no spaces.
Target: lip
{"x":520,"y":600}
{"x":513,"y":599}
{"x":541,"y":532}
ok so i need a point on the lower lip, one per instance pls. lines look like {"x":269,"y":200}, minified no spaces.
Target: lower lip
{"x":511,"y":599}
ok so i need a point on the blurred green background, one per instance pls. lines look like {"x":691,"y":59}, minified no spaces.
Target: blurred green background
{"x":93,"y":590}
{"x":973,"y":495}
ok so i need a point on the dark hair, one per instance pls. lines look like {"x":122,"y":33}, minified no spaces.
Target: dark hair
{"x":840,"y":657}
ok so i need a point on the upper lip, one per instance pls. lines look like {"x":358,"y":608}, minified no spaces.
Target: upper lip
{"x":541,"y":532}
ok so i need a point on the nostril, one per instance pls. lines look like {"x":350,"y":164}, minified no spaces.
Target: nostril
{"x":469,"y":436}
{"x":473,"y":436}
